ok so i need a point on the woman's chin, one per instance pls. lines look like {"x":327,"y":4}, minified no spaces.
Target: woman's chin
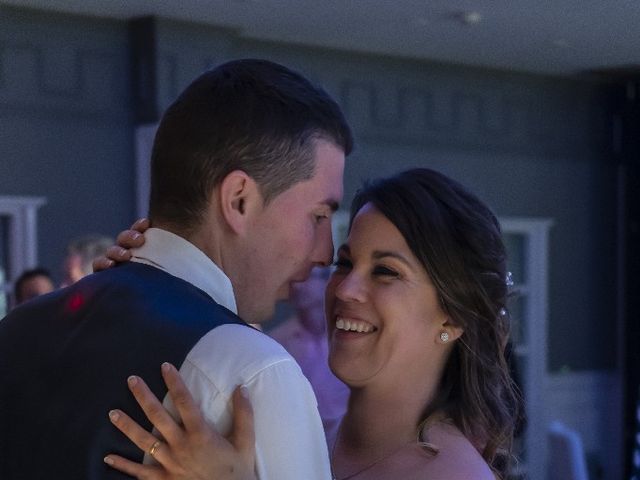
{"x":351,"y":377}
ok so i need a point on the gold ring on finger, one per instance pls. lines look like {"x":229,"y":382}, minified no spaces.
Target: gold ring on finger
{"x":154,"y":448}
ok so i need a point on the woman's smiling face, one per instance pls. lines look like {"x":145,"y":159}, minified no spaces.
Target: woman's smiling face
{"x":383,"y":312}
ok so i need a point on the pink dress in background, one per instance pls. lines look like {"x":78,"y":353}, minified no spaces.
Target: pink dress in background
{"x":311,"y":352}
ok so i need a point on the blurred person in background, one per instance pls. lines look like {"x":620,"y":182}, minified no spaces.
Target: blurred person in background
{"x":81,"y":252}
{"x":32,"y":283}
{"x":304,"y":336}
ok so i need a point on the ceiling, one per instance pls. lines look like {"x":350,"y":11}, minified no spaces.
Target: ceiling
{"x":557,"y":37}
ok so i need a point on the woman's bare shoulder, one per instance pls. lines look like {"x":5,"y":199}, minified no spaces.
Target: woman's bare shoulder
{"x":457,"y":458}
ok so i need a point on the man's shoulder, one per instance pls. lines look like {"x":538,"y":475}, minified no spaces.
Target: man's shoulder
{"x":139,"y":276}
{"x":242,"y":344}
{"x":144,"y":287}
{"x":239,"y":351}
{"x":290,"y":329}
{"x":21,"y":317}
{"x":134,"y":300}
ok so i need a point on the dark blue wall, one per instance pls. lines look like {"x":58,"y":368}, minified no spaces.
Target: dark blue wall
{"x":65,"y":124}
{"x":529,"y":145}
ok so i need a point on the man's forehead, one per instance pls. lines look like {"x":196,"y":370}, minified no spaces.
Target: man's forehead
{"x":332,"y":185}
{"x":325,"y":187}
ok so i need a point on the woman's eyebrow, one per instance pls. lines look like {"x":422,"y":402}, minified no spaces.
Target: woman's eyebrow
{"x":379,"y":254}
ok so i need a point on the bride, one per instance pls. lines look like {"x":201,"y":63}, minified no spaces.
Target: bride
{"x":417,"y":330}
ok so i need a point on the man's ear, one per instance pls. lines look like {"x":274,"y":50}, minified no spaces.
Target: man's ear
{"x":238,"y":195}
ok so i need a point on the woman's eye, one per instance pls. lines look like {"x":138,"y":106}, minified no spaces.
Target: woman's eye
{"x":385,"y":272}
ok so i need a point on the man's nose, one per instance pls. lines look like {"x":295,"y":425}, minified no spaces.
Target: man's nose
{"x":324,"y":247}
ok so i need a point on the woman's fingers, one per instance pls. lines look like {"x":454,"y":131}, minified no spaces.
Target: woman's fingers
{"x":243,"y":436}
{"x":102,"y":263}
{"x":189,"y":412}
{"x":118,"y":254}
{"x":137,"y":470}
{"x":196,"y":451}
{"x":142,"y":439}
{"x":155,"y":411}
{"x":141,"y":225}
{"x":128,"y":239}
{"x":114,"y":254}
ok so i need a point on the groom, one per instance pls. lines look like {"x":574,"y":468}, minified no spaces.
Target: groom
{"x":247,"y":170}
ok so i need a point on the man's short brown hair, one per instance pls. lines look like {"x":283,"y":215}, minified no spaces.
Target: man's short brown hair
{"x":251,"y":115}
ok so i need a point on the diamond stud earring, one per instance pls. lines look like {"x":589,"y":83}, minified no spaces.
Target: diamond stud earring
{"x":444,"y":337}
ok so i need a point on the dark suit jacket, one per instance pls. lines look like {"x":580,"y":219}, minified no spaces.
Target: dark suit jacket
{"x":65,"y":358}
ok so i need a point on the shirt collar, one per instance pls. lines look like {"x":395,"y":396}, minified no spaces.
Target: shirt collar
{"x":180,"y":258}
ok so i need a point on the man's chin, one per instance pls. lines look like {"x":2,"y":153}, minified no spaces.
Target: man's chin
{"x":284,"y":293}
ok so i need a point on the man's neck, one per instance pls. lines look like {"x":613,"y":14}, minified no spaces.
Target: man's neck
{"x":205,"y":239}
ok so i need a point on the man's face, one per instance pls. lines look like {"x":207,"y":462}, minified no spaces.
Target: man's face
{"x":291,"y":235}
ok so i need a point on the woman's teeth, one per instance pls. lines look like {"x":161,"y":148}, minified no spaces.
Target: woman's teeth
{"x":354,"y":326}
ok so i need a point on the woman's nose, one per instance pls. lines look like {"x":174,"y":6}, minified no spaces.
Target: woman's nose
{"x":351,"y":288}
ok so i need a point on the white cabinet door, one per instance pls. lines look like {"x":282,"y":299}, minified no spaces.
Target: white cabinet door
{"x":527,"y":245}
{"x":18,"y":241}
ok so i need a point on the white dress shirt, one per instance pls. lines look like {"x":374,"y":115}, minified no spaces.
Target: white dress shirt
{"x":290,"y":442}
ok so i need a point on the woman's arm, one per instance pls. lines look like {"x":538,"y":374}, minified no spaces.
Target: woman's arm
{"x":191,"y":450}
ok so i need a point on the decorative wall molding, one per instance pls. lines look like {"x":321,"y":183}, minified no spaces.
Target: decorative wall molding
{"x":439,"y":114}
{"x":61,"y":77}
{"x":403,"y":101}
{"x":176,"y":73}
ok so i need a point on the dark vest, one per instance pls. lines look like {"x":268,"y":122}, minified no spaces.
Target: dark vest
{"x":65,"y":358}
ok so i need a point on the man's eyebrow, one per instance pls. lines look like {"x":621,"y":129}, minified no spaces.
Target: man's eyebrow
{"x":332,"y":204}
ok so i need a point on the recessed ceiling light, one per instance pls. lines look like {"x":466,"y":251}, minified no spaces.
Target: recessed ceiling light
{"x":469,"y":18}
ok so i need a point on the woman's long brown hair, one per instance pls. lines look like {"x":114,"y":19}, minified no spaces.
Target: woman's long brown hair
{"x":458,"y":240}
